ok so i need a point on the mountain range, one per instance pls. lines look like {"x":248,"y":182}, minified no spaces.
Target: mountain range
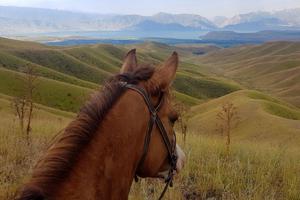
{"x":23,"y":20}
{"x":258,"y":21}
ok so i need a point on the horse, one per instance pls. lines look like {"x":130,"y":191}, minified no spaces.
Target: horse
{"x":125,"y":130}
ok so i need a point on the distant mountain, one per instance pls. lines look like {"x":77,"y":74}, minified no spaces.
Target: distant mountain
{"x":35,"y":20}
{"x":247,"y":18}
{"x":187,"y":20}
{"x":219,"y":21}
{"x":20,"y":20}
{"x":292,"y":16}
{"x":259,"y":25}
{"x":258,"y":21}
{"x":149,"y":25}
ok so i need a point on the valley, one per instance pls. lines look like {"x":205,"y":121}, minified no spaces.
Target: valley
{"x":261,"y":81}
{"x":272,"y":67}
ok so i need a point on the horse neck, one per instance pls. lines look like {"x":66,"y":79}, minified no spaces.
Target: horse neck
{"x":106,"y":167}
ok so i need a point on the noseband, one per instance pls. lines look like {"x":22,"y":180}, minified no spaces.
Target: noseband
{"x":154,"y":119}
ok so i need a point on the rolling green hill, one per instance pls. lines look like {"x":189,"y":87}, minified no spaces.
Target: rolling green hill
{"x":261,"y":118}
{"x":271,"y":67}
{"x":88,"y":66}
{"x":56,"y":94}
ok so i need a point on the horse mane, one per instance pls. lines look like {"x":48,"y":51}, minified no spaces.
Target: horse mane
{"x":59,"y":159}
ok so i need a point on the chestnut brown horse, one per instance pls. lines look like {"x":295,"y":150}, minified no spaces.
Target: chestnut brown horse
{"x":98,"y":154}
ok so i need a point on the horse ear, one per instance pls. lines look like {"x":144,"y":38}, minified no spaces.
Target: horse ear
{"x":130,"y":62}
{"x":164,"y":75}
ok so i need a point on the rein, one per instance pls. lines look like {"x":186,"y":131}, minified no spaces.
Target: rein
{"x":154,"y":119}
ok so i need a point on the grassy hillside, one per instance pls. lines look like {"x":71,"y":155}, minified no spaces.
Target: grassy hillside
{"x":64,"y":63}
{"x":203,"y":87}
{"x":271,"y":67}
{"x":48,"y":92}
{"x":18,"y":64}
{"x":89,"y":66}
{"x":261,"y":119}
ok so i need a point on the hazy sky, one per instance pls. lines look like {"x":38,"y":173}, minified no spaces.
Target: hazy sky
{"x":207,"y":8}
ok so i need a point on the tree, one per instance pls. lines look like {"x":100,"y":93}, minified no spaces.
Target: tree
{"x":182,"y":109}
{"x":19,"y":105}
{"x":23,"y":104}
{"x":227,"y":119}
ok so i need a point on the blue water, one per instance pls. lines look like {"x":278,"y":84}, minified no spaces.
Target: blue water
{"x":133,"y":37}
{"x":129,"y":34}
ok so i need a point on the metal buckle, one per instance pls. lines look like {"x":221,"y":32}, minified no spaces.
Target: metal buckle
{"x":123,"y":83}
{"x":154,"y":114}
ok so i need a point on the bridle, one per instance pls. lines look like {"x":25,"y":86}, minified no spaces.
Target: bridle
{"x":154,"y":119}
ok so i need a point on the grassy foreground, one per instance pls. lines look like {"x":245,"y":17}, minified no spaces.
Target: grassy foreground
{"x":251,"y":171}
{"x":16,"y":157}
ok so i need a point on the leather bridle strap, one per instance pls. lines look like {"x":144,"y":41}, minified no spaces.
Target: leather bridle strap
{"x":147,"y":140}
{"x":154,"y":118}
{"x":145,"y":96}
{"x":165,"y":137}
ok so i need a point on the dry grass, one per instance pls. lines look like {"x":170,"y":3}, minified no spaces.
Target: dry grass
{"x":252,"y":171}
{"x":16,"y":157}
{"x":261,"y":119}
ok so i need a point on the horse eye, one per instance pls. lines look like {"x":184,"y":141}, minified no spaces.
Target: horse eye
{"x":173,"y":117}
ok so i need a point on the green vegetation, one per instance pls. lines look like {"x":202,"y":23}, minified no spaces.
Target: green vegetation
{"x":6,"y":101}
{"x":259,"y":95}
{"x":90,"y":65}
{"x":202,"y":88}
{"x":272,"y":67}
{"x":188,"y":100}
{"x":282,"y":111}
{"x":276,"y":107}
{"x":95,"y":57}
{"x":59,"y":61}
{"x":258,"y":119}
{"x":48,"y":92}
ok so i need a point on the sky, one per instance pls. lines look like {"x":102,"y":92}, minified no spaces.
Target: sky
{"x":206,"y":8}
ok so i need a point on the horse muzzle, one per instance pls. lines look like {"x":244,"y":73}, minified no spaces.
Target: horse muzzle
{"x":181,"y":159}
